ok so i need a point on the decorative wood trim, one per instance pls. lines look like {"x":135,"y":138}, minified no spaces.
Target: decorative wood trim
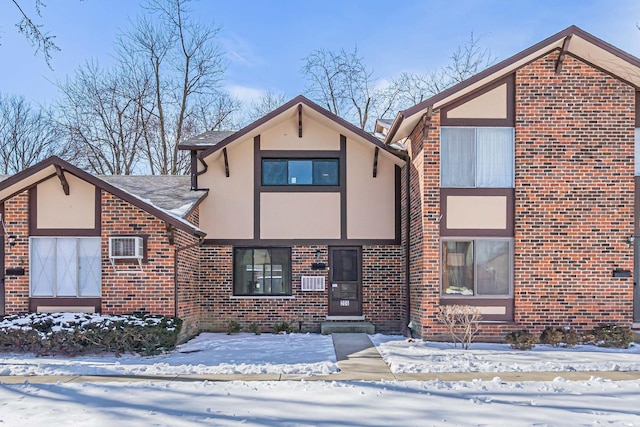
{"x":299,"y":242}
{"x":80,"y":232}
{"x":343,"y":187}
{"x":299,"y":120}
{"x":509,"y":121}
{"x":509,"y":193}
{"x":375,"y":162}
{"x":398,"y":202}
{"x":636,"y":213}
{"x":563,"y":52}
{"x":257,"y":185}
{"x":63,"y":180}
{"x":637,"y":110}
{"x":226,"y":162}
{"x":94,"y":302}
{"x":507,"y":303}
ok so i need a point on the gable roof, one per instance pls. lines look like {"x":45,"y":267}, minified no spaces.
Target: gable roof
{"x":46,"y":169}
{"x":289,"y":109}
{"x":576,"y":41}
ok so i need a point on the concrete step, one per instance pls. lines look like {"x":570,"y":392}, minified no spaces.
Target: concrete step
{"x":327,"y":328}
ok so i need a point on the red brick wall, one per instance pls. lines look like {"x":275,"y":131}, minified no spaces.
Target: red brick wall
{"x":382,"y":291}
{"x":574,"y":195}
{"x":151,"y":290}
{"x":188,"y":255}
{"x":425,"y":215}
{"x":574,"y":203}
{"x":16,"y":221}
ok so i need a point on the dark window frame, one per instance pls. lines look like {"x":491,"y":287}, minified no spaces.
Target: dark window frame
{"x":313,"y":159}
{"x":475,"y":294}
{"x":237,"y":281}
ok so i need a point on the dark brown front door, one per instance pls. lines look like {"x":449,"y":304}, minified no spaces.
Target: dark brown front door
{"x":345,"y":287}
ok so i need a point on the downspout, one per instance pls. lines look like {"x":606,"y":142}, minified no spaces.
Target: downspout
{"x":407,"y":262}
{"x":176,"y":251}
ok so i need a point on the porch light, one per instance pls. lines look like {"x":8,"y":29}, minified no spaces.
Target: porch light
{"x":12,"y":240}
{"x":631,"y":239}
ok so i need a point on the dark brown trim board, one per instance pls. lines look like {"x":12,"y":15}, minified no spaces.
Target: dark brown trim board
{"x":509,"y":121}
{"x":343,"y":187}
{"x":398,"y":202}
{"x":509,"y":193}
{"x":637,"y":109}
{"x":636,"y":208}
{"x":96,"y":303}
{"x":33,"y":219}
{"x":299,"y":242}
{"x":507,"y":303}
{"x":257,"y":185}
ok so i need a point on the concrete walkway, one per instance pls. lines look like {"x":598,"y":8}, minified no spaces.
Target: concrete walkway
{"x":358,"y":360}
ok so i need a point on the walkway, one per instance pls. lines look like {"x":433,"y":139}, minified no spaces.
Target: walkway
{"x":358,"y":360}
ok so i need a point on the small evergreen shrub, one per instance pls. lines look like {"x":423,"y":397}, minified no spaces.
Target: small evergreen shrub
{"x":254,"y":328}
{"x":559,"y":337}
{"x":72,"y":334}
{"x":233,"y":327}
{"x":521,"y":340}
{"x":283,"y":328}
{"x":611,"y":335}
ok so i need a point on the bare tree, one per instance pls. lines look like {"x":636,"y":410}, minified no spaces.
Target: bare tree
{"x":101,"y":112}
{"x":27,"y":134}
{"x":409,"y":89}
{"x":40,"y":40}
{"x":267,"y":102}
{"x":185,"y":67}
{"x":341,"y":82}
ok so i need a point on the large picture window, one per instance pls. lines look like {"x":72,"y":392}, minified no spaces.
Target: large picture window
{"x":262,"y":271}
{"x":480,"y":267}
{"x":477,"y":157}
{"x":65,"y":267}
{"x":300,"y":172}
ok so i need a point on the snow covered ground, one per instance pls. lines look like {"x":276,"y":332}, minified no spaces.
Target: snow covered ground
{"x":311,"y":403}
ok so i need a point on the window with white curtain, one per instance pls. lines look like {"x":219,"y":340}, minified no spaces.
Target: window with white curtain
{"x":477,"y":157}
{"x":65,"y":267}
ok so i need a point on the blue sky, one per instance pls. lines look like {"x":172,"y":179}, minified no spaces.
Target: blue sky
{"x":265,"y":40}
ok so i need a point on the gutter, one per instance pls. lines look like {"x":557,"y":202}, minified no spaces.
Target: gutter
{"x":407,"y":262}
{"x":394,"y":128}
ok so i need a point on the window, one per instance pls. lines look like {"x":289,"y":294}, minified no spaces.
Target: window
{"x":300,"y":172}
{"x":476,"y":157}
{"x":262,"y":271}
{"x":480,"y":267}
{"x":65,"y":267}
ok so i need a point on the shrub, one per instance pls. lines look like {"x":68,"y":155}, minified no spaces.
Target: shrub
{"x":254,"y":328}
{"x":611,"y":335}
{"x":461,"y":322}
{"x":71,"y":334}
{"x":283,"y":328}
{"x":521,"y":340}
{"x":233,"y":327}
{"x":557,"y":336}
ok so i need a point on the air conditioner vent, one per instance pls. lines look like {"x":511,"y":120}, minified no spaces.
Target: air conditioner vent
{"x":312,"y":283}
{"x":126,"y":247}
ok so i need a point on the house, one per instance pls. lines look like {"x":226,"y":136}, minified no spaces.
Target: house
{"x":294,"y":218}
{"x":523,"y":196}
{"x":514,"y":191}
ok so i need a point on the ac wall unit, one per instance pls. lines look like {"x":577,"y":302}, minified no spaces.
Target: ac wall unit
{"x":126,"y":247}
{"x":129,"y":247}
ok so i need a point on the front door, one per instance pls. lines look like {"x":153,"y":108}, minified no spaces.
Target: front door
{"x":636,"y":281}
{"x":345,"y":290}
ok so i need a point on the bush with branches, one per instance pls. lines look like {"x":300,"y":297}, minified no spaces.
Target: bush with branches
{"x":461,"y":322}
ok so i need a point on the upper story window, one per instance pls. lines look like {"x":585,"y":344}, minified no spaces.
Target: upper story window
{"x":477,"y":157}
{"x":300,"y":172}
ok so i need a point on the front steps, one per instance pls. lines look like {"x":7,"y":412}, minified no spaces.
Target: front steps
{"x":334,"y":327}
